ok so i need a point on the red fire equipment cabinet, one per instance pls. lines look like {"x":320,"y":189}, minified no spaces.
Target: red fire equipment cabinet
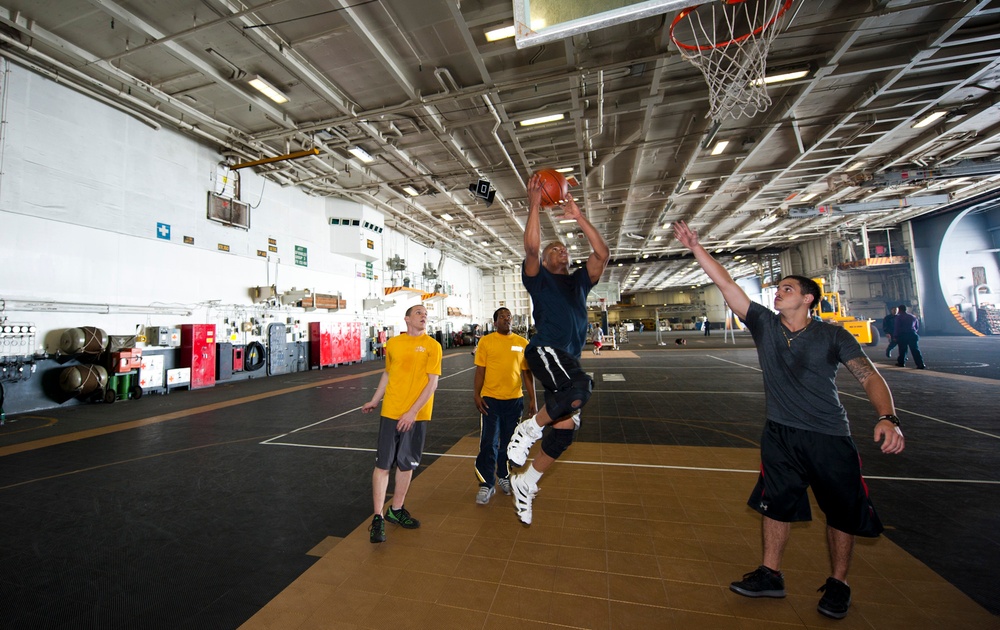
{"x":198,"y":353}
{"x":334,"y":343}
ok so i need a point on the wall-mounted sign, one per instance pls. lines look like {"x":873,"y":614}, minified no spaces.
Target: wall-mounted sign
{"x":301,"y":256}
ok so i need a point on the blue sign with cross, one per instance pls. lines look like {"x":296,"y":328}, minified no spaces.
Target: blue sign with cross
{"x":163,"y":231}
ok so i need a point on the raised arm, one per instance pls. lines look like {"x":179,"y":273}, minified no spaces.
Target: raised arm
{"x":736,"y":297}
{"x":598,"y":260}
{"x":533,"y":228}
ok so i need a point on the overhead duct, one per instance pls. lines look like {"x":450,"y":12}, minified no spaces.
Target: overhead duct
{"x":965,"y":168}
{"x":805,"y":212}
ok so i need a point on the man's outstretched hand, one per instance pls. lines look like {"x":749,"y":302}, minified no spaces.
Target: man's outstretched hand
{"x":687,"y":237}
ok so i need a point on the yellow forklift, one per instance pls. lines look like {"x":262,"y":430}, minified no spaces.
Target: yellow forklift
{"x":832,"y":310}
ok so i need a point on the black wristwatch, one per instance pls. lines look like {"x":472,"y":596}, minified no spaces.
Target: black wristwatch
{"x":891,"y":418}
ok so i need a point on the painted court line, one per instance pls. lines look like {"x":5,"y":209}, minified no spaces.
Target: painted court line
{"x":344,"y":413}
{"x":931,"y":418}
{"x":631,"y":465}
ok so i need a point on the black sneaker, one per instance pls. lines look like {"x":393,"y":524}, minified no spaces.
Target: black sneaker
{"x":402,"y":518}
{"x":762,"y":582}
{"x":836,"y":599}
{"x":377,"y":529}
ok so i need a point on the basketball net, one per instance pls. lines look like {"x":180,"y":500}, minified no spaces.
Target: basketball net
{"x":728,"y":40}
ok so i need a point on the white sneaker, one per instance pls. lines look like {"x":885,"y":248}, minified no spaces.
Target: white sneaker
{"x":524,"y":494}
{"x":526,"y":434}
{"x":504,"y":485}
{"x":484,"y":495}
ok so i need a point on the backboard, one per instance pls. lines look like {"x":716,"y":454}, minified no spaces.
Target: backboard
{"x":540,"y":21}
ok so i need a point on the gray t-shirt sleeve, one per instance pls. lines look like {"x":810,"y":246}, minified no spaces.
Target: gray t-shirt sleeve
{"x":800,"y":375}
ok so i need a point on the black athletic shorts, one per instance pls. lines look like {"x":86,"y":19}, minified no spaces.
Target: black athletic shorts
{"x":400,"y":449}
{"x":793,"y":459}
{"x":561,"y":376}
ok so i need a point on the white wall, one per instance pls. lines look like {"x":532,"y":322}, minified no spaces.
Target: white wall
{"x":83,"y":188}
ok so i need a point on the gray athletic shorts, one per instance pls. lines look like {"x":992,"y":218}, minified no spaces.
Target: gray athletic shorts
{"x":400,"y":449}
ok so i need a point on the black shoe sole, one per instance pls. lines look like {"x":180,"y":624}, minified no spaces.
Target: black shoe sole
{"x":831,"y":614}
{"x":403,"y":525}
{"x":745,"y":593}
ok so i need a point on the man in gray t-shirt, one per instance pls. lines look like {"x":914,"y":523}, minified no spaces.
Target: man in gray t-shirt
{"x":807,"y":439}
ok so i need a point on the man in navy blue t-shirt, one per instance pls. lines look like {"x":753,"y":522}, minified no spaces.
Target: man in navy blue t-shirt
{"x":553,"y":353}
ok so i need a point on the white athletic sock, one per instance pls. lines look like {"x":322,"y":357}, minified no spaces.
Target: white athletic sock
{"x":535,"y":428}
{"x":532,"y":475}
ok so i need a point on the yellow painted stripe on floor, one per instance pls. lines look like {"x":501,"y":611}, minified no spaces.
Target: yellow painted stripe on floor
{"x":134,"y":424}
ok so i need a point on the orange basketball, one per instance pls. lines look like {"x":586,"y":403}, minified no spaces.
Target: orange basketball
{"x":555,"y":188}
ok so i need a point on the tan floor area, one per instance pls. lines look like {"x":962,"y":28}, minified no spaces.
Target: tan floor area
{"x":619,"y":541}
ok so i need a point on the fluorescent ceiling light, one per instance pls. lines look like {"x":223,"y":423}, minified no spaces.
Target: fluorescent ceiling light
{"x":694,"y":185}
{"x":572,"y":246}
{"x":666,"y":226}
{"x":411,"y":191}
{"x":568,"y":221}
{"x":753,"y":231}
{"x":929,"y":118}
{"x":565,"y":169}
{"x":856,"y":166}
{"x":267,"y":89}
{"x":720,"y":146}
{"x":540,"y":120}
{"x":782,"y":76}
{"x":805,"y":198}
{"x":468,"y":232}
{"x":504,"y":32}
{"x":645,"y":256}
{"x":657,"y":238}
{"x":793,"y":237}
{"x":361,"y":154}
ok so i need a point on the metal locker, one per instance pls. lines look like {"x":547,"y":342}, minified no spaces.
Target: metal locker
{"x":277,"y":349}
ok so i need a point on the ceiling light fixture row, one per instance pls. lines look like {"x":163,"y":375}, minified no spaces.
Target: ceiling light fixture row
{"x":264,"y":87}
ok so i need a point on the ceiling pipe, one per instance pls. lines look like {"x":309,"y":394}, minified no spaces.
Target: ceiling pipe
{"x":139,"y":24}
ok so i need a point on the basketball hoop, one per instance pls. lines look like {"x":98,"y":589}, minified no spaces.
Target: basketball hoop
{"x":728,"y":40}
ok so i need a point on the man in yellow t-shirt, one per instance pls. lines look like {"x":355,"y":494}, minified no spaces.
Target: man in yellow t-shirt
{"x":500,"y":371}
{"x":406,"y":390}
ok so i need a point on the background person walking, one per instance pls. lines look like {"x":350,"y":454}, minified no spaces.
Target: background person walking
{"x":889,"y":328}
{"x":906,"y":328}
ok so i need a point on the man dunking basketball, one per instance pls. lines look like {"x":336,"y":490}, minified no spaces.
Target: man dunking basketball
{"x":553,"y":353}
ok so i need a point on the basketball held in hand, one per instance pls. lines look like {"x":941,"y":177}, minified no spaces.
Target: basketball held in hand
{"x":555,"y":187}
